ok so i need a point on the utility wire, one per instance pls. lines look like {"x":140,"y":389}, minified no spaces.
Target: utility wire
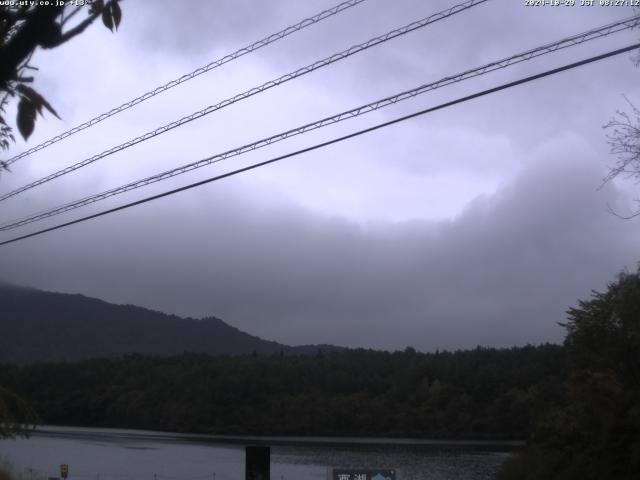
{"x":361,"y":110}
{"x":274,"y":37}
{"x":331,"y":142}
{"x":253,"y":91}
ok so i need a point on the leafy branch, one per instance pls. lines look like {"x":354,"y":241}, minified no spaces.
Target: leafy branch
{"x":23,"y":29}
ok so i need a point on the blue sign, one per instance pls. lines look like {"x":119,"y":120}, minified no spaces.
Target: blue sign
{"x":361,"y":474}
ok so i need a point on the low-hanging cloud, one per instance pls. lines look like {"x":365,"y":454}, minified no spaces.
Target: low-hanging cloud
{"x":502,"y":272}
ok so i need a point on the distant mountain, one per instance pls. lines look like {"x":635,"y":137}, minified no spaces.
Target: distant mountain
{"x":44,"y":326}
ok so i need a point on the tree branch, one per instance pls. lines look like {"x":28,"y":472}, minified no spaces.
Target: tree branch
{"x":70,"y":16}
{"x":78,"y":29}
{"x":81,"y":27}
{"x":622,"y":217}
{"x":26,"y":39}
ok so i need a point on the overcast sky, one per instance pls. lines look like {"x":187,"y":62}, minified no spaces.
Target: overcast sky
{"x":478,"y":224}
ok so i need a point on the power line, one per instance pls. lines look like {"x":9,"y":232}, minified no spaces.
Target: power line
{"x":361,"y":110}
{"x":274,"y":37}
{"x":331,"y":142}
{"x":253,"y":91}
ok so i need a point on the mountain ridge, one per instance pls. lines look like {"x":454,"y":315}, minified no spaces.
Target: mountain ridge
{"x":38,"y":325}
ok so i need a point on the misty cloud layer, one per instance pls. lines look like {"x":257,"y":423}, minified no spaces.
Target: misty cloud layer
{"x":502,"y":272}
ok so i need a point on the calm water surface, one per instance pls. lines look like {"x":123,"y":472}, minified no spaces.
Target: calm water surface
{"x":94,"y":454}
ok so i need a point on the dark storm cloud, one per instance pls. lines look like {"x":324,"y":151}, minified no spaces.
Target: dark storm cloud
{"x":502,"y":272}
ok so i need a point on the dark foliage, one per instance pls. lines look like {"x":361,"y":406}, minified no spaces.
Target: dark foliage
{"x":26,"y":26}
{"x":481,"y":393}
{"x":16,"y":415}
{"x":596,"y":434}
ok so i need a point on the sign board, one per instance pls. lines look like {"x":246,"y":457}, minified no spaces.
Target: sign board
{"x":363,"y":474}
{"x":64,"y":470}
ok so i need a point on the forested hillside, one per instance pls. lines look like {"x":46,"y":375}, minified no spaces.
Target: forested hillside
{"x":44,"y":326}
{"x":478,"y":393}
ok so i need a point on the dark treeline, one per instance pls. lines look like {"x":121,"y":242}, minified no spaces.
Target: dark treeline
{"x":480,"y":393}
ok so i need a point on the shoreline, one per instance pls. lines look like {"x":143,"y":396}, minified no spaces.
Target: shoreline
{"x":295,"y":440}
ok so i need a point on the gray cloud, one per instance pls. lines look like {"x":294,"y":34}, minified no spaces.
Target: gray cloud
{"x":502,"y":272}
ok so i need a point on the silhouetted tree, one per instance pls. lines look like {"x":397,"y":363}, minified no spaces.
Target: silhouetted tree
{"x":596,"y":434}
{"x":624,"y":142}
{"x":25,"y":27}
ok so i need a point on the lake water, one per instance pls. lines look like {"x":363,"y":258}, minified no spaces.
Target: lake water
{"x":104,"y":454}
